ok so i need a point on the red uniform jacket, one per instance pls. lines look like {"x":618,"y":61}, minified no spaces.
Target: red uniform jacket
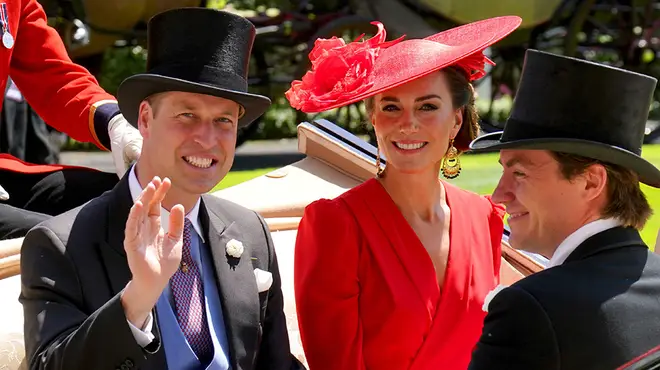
{"x":64,"y":94}
{"x":367,"y":295}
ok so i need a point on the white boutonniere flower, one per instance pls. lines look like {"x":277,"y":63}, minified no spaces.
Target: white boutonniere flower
{"x":491,"y":295}
{"x":234,"y":248}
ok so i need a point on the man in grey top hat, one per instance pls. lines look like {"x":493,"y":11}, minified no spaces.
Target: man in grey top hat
{"x":156,"y":274}
{"x":572,"y":168}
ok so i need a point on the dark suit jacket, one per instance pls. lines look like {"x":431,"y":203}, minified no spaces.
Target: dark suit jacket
{"x":73,"y":269}
{"x":598,"y":310}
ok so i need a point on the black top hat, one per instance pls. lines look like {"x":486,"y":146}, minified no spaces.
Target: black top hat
{"x":196,"y":50}
{"x":579,"y":107}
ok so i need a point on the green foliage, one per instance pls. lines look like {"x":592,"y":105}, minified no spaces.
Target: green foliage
{"x":258,"y":5}
{"x":120,"y":63}
{"x":216,"y":4}
{"x":280,"y":120}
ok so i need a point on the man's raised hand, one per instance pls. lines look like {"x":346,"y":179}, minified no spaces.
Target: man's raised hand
{"x":153,"y":255}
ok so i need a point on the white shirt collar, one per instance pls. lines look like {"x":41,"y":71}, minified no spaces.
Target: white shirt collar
{"x":578,"y":236}
{"x":136,"y":189}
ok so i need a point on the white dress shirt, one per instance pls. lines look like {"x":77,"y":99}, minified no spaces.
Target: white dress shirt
{"x":580,"y":235}
{"x":144,"y":336}
{"x":13,"y":93}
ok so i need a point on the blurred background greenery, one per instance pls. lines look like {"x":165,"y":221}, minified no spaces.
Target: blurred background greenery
{"x":607,"y":31}
{"x":279,"y":122}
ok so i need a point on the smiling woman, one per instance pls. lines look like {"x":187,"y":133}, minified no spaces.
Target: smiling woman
{"x":391,"y":258}
{"x":462,"y":95}
{"x":450,"y":96}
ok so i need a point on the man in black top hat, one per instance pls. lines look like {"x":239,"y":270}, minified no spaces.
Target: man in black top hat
{"x":572,"y":167}
{"x":155,"y":274}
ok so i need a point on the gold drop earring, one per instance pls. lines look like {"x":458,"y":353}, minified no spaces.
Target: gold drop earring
{"x":379,"y":169}
{"x":451,"y":164}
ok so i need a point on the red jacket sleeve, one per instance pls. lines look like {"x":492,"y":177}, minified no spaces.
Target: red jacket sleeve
{"x":327,"y":287}
{"x":64,"y":94}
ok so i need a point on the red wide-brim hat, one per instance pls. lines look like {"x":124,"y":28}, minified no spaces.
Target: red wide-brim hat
{"x":343,"y":74}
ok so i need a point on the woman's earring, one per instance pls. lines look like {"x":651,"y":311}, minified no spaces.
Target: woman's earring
{"x":451,"y":165}
{"x":379,"y":169}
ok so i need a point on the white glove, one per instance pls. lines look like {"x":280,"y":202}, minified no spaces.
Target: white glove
{"x":125,"y":143}
{"x":3,"y":193}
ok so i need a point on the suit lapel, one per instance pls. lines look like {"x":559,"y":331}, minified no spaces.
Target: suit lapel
{"x":617,"y":237}
{"x":238,"y":288}
{"x":113,"y":249}
{"x":114,"y":256}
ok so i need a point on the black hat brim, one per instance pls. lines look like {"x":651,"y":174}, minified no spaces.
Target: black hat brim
{"x":138,"y":87}
{"x":647,"y":172}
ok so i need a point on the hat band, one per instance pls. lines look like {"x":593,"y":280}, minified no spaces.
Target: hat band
{"x":515,"y":130}
{"x":204,"y":74}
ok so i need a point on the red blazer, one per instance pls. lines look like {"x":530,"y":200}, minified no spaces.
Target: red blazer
{"x":366,"y":291}
{"x":64,"y":94}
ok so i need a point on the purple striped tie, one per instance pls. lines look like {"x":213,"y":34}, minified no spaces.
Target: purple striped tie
{"x":188,"y":293}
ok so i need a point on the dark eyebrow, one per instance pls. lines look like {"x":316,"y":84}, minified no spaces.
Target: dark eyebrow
{"x":190,"y":105}
{"x":425,"y":97}
{"x":516,"y":160}
{"x":226,"y":113}
{"x":185,"y":104}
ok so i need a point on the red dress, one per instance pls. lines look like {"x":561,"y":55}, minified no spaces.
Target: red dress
{"x":366,"y":291}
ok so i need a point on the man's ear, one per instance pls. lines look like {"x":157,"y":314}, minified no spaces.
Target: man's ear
{"x":145,"y":115}
{"x":595,"y":181}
